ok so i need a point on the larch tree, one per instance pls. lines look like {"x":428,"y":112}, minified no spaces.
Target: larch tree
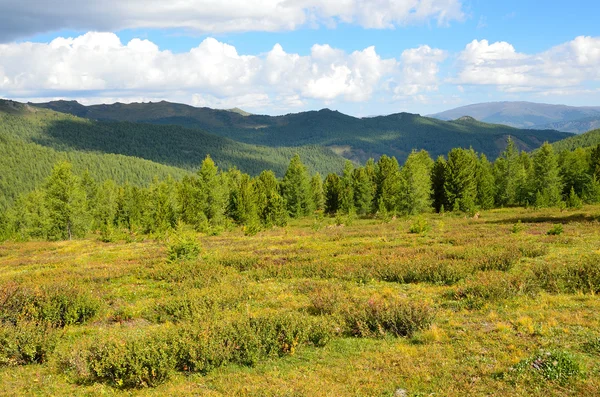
{"x":295,"y":189}
{"x":66,"y":204}
{"x":415,"y":184}
{"x":460,"y":184}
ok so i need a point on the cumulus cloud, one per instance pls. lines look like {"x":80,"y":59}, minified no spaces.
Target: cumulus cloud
{"x":499,"y":64}
{"x":97,"y":65}
{"x":22,"y":18}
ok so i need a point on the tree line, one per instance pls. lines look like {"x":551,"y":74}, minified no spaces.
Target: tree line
{"x":68,"y":206}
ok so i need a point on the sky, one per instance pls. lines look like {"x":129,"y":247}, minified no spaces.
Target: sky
{"x":361,"y":57}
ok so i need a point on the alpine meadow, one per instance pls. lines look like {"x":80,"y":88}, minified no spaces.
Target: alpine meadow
{"x":177,"y":217}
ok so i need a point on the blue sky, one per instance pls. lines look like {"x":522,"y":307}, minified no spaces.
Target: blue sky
{"x":267,"y":56}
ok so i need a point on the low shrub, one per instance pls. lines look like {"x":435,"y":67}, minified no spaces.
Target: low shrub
{"x":419,"y":226}
{"x":239,"y":262}
{"x":556,"y":230}
{"x":139,"y":361}
{"x":183,"y":247}
{"x":377,"y":317}
{"x":146,"y":360}
{"x":581,"y":276}
{"x":55,"y":305}
{"x":26,"y":343}
{"x":557,"y":366}
{"x":518,"y":227}
{"x":533,"y":250}
{"x":592,"y":346}
{"x":502,"y":261}
{"x":492,"y":286}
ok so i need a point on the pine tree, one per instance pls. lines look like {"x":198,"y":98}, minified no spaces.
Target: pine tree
{"x":66,"y":204}
{"x":295,"y":189}
{"x":546,"y":180}
{"x":438,"y":194}
{"x":332,"y":190}
{"x":460,"y":184}
{"x":485,"y":183}
{"x":415,"y":184}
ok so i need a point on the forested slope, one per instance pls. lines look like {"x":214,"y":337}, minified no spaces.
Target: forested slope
{"x":355,"y":138}
{"x":32,"y":140}
{"x":591,"y":138}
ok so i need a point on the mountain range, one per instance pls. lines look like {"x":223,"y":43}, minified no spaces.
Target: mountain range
{"x":350,"y":137}
{"x":530,"y":115}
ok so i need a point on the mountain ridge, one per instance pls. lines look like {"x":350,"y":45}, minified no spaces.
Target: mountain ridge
{"x":531,"y":115}
{"x":394,"y":135}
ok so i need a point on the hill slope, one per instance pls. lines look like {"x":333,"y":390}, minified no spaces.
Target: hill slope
{"x":32,"y":140}
{"x":589,"y":139}
{"x":354,"y":138}
{"x":528,"y":115}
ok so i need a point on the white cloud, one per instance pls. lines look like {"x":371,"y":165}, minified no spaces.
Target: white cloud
{"x":499,"y":64}
{"x":420,"y":69}
{"x":98,"y":65}
{"x":20,"y":18}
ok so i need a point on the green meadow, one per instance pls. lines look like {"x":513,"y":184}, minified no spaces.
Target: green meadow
{"x":502,"y":303}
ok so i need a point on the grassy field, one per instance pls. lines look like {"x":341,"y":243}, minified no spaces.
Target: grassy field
{"x":440,"y":305}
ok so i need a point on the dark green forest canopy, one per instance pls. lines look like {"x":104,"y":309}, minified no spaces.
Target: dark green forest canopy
{"x":355,"y":138}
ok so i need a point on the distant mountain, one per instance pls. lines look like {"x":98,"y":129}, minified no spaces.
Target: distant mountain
{"x":586,"y":140}
{"x":529,"y":115}
{"x":574,"y":126}
{"x":354,"y":138}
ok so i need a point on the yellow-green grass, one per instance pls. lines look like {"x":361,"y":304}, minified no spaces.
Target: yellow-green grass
{"x":322,"y":270}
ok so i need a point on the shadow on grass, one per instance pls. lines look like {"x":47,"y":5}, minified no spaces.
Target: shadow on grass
{"x":563,"y":219}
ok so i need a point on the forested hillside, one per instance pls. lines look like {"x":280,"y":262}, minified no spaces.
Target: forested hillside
{"x":354,"y":138}
{"x":32,"y":140}
{"x":591,"y":138}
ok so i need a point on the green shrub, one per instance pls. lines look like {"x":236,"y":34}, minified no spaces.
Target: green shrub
{"x":518,"y":227}
{"x":533,"y":250}
{"x":502,"y":261}
{"x":580,"y":276}
{"x":592,"y":346}
{"x":377,"y":317}
{"x":556,"y":230}
{"x":55,"y":305}
{"x":556,"y":366}
{"x":183,"y":247}
{"x":26,"y":343}
{"x":419,"y":226}
{"x":239,"y":262}
{"x":492,"y":286}
{"x":138,"y":361}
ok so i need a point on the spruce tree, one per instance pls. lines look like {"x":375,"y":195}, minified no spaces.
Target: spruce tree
{"x":332,"y":190}
{"x":415,"y":184}
{"x":460,"y":185}
{"x":295,"y":189}
{"x":66,"y":204}
{"x":270,"y":205}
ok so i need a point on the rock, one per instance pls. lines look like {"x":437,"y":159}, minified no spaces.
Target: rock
{"x":401,"y":393}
